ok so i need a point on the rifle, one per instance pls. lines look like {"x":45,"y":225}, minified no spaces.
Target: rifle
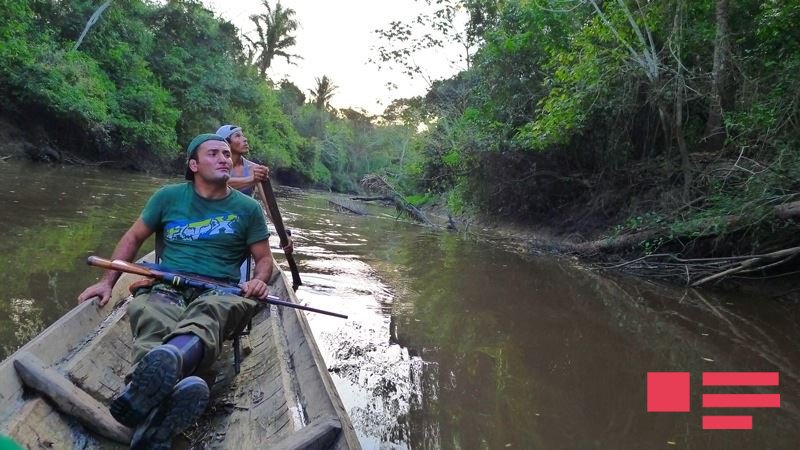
{"x":183,"y":280}
{"x":268,"y":198}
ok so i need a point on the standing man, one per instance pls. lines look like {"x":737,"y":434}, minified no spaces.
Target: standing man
{"x":208,"y":230}
{"x":246,"y":174}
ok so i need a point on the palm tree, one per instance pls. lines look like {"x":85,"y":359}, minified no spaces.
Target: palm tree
{"x":323,"y":93}
{"x":274,"y":30}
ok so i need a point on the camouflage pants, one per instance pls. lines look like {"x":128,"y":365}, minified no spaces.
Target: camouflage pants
{"x":162,"y":312}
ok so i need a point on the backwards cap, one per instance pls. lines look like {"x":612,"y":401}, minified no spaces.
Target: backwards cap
{"x":191,"y":149}
{"x":227,"y":130}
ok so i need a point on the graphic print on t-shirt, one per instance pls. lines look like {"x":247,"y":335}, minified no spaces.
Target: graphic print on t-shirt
{"x":193,"y":230}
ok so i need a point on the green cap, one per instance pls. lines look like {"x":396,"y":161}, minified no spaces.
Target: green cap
{"x":192,"y":148}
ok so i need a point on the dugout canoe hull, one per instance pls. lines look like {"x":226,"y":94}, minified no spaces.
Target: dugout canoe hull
{"x":282,"y":398}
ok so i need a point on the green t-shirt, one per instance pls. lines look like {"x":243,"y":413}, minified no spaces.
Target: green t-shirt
{"x":201,"y":236}
{"x":6,"y":443}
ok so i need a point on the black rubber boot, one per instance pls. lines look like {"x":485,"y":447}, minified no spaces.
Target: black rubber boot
{"x":191,"y":350}
{"x":152,"y":382}
{"x":176,"y":413}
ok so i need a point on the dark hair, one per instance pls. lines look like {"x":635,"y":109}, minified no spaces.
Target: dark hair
{"x":189,"y":174}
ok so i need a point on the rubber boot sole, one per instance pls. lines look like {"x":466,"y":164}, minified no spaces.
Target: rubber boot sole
{"x":152,"y":381}
{"x":183,"y":407}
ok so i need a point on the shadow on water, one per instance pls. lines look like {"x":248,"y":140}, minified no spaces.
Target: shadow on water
{"x":450,"y":343}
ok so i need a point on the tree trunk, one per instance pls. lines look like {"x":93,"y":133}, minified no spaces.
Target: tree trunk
{"x":402,"y":158}
{"x":92,"y":20}
{"x":715,"y":130}
{"x":680,"y":137}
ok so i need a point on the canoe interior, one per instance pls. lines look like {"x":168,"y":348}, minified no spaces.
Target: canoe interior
{"x":283,"y":385}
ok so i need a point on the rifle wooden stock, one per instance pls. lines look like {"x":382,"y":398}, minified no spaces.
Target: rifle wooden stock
{"x":120,"y":266}
{"x":182,"y":280}
{"x":268,"y":198}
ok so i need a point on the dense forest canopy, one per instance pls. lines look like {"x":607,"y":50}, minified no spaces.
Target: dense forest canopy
{"x":147,"y":76}
{"x":589,"y":113}
{"x":680,"y":114}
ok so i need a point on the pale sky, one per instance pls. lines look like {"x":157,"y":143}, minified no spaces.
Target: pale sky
{"x":335,"y":38}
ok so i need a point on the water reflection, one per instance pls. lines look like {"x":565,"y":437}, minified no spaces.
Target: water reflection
{"x":56,"y":217}
{"x":455,"y":344}
{"x":450,"y":343}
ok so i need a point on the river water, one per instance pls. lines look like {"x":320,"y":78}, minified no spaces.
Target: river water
{"x":451,"y":343}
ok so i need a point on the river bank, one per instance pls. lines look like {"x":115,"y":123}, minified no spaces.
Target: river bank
{"x":700,"y":250}
{"x":635,"y":256}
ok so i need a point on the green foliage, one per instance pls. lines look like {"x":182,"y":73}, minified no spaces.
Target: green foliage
{"x":596,"y":103}
{"x":274,"y":30}
{"x":456,"y":202}
{"x":146,"y":78}
{"x":419,"y":199}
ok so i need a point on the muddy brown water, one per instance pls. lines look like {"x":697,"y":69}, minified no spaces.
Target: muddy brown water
{"x":451,"y":343}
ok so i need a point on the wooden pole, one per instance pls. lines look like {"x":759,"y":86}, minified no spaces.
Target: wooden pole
{"x":268,"y":198}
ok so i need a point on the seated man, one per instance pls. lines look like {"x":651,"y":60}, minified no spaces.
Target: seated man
{"x":208,"y":230}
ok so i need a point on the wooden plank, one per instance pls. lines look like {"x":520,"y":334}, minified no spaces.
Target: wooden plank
{"x":99,"y":367}
{"x":318,"y":436}
{"x":69,"y":398}
{"x":56,"y":343}
{"x":256,"y":400}
{"x":308,"y":371}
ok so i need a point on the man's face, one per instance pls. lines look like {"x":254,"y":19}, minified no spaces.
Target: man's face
{"x":213,"y":163}
{"x":239,"y":142}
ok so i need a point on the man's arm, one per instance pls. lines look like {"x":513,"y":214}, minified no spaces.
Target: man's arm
{"x":257,"y":286}
{"x":257,"y":173}
{"x":126,"y":250}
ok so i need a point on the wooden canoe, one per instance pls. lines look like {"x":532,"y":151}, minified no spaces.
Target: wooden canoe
{"x":282,"y":398}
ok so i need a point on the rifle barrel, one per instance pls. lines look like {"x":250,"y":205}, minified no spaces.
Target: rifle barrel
{"x":181,"y":280}
{"x":277,"y":301}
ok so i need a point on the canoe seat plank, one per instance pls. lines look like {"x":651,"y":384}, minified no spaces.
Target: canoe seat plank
{"x":68,"y":398}
{"x":316,"y":436}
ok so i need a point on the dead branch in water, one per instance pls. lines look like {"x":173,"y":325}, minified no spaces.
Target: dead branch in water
{"x":378,"y":185}
{"x":348,"y":206}
{"x":753,"y":264}
{"x":699,"y":271}
{"x":377,"y":198}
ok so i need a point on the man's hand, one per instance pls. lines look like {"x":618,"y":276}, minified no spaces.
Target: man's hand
{"x":101,"y":289}
{"x":255,"y":289}
{"x":260,"y":173}
{"x":289,"y":248}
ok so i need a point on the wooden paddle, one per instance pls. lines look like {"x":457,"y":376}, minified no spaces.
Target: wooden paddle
{"x":268,"y":198}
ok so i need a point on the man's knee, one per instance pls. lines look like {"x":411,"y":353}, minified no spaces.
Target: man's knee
{"x":226,"y":312}
{"x":156,"y":305}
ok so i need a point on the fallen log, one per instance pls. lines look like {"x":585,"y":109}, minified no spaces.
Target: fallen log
{"x":348,"y":206}
{"x":382,"y":198}
{"x":69,"y":398}
{"x":375,"y":183}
